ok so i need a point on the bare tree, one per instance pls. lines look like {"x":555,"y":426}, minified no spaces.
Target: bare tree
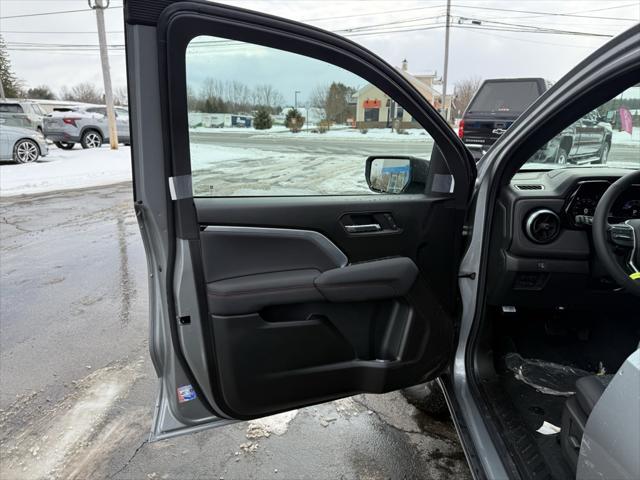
{"x":82,"y":92}
{"x":464,"y":91}
{"x":319,"y":95}
{"x":120,"y":96}
{"x":212,"y":88}
{"x":267,"y":96}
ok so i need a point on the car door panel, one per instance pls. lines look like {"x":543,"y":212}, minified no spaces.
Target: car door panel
{"x":281,"y":272}
{"x":276,"y":302}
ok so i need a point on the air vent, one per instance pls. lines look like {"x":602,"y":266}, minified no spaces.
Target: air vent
{"x":542,"y":226}
{"x":529,"y":187}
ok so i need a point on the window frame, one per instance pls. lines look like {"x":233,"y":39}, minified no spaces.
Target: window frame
{"x":178,"y":26}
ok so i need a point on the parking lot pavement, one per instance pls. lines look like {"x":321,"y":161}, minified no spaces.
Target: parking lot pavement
{"x":77,"y":387}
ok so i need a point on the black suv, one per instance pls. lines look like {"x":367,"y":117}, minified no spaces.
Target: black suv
{"x":495,"y":106}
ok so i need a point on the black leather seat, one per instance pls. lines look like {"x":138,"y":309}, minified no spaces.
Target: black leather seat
{"x":576,"y":412}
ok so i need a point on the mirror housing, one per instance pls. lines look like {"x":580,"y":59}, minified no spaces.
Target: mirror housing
{"x":395,"y":174}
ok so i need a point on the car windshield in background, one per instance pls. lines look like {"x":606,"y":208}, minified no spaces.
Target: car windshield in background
{"x":607,"y":136}
{"x":10,"y":108}
{"x":505,"y":97}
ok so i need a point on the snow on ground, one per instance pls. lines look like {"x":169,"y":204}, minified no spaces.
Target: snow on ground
{"x":278,"y":131}
{"x":215,"y":172}
{"x":624,"y":138}
{"x":275,"y":128}
{"x":65,"y":170}
{"x":384,"y":134}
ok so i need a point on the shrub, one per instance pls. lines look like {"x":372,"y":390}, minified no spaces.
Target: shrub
{"x":294,"y":120}
{"x":364,"y":130}
{"x":262,"y":119}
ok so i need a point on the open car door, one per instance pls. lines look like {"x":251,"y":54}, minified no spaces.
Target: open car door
{"x":295,"y":255}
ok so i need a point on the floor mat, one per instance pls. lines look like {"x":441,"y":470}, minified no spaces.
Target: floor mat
{"x":534,"y":408}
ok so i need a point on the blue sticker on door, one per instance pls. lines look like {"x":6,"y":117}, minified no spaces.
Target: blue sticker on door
{"x":186,"y":394}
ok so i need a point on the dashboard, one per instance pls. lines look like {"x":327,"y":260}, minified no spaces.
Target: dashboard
{"x":585,"y":197}
{"x":541,"y":247}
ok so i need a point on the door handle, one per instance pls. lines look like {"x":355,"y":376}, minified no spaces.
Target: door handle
{"x":367,"y":227}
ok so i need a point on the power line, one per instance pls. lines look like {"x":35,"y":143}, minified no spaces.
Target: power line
{"x":553,"y":14}
{"x":582,"y":11}
{"x":397,"y":22}
{"x":369,"y":13}
{"x":537,"y":29}
{"x":58,"y":32}
{"x":537,"y":42}
{"x":59,"y":12}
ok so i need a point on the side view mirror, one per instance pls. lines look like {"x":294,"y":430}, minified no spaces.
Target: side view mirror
{"x":396,"y":174}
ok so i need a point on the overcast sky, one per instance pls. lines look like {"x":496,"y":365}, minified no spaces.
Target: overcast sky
{"x":474,"y":50}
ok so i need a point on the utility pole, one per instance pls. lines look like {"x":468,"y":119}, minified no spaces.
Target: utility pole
{"x":99,"y":6}
{"x":1,"y":90}
{"x":446,"y":61}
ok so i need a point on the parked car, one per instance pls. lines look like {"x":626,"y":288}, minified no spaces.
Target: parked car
{"x":586,"y":141}
{"x":493,"y":109}
{"x":22,"y":145}
{"x":484,"y":275}
{"x":27,"y":112}
{"x":87,"y":126}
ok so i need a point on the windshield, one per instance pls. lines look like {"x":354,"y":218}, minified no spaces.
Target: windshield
{"x":607,"y":136}
{"x":506,"y":96}
{"x":10,"y":108}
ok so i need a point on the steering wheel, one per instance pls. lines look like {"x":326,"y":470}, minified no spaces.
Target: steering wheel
{"x":623,"y":238}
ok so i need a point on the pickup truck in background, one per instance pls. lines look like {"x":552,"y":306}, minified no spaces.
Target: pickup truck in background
{"x":495,"y":106}
{"x":586,"y":141}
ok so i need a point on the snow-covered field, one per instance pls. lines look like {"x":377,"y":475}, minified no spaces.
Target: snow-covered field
{"x":216,"y":168}
{"x":624,"y":138}
{"x":65,"y":170}
{"x":216,"y":172}
{"x":278,"y":131}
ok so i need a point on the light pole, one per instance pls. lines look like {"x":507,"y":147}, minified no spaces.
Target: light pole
{"x":295,"y":105}
{"x":446,"y":62}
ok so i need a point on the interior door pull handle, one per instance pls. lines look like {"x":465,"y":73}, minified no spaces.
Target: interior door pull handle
{"x":367,"y":227}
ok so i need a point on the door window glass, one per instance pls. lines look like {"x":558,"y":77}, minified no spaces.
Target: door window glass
{"x":266,"y":122}
{"x":607,"y":136}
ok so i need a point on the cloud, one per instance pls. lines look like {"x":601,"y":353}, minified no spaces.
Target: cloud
{"x":478,"y":52}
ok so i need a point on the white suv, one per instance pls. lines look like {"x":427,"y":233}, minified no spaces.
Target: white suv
{"x":87,"y":126}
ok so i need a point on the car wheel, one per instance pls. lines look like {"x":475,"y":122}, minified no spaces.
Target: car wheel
{"x":64,"y":145}
{"x":428,"y":398}
{"x":91,"y":139}
{"x":604,"y":153}
{"x":563,"y":157}
{"x":25,"y":151}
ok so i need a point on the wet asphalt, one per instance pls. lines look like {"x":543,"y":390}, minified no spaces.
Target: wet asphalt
{"x":73,"y":308}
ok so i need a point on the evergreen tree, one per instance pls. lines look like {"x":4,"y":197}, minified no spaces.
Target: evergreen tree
{"x":41,"y":92}
{"x":294,"y":120}
{"x":337,"y":105}
{"x":10,"y":82}
{"x":262,"y":119}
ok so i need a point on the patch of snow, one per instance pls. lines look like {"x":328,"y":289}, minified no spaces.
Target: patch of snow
{"x":376,"y":134}
{"x":625,"y":138}
{"x":275,"y":128}
{"x":65,"y":170}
